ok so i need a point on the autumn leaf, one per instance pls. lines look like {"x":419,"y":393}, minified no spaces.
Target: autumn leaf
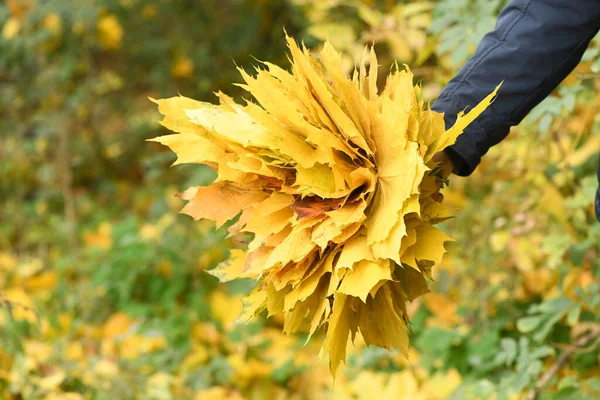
{"x":183,"y":67}
{"x":334,"y":180}
{"x":11,"y":28}
{"x":110,"y":32}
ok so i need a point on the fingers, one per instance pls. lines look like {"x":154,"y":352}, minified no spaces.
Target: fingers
{"x":440,"y":156}
{"x":443,"y":159}
{"x":437,"y":197}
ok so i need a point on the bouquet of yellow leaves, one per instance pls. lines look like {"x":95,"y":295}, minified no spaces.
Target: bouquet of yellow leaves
{"x":334,"y":181}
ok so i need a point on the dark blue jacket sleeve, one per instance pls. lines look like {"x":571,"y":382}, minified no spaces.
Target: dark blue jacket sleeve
{"x":534,"y":46}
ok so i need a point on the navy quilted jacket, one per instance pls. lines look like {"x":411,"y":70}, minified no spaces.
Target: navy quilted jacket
{"x":534,"y":46}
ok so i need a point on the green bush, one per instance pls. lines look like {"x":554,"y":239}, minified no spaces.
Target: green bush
{"x":103,"y":282}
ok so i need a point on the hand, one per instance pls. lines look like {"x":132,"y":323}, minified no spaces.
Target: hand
{"x":446,"y":169}
{"x":442,"y":158}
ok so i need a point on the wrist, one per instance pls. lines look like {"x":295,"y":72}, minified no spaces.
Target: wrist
{"x":457,"y":162}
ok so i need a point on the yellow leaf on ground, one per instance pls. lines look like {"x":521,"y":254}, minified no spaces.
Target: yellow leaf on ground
{"x":22,"y":307}
{"x":7,"y":261}
{"x":441,"y":385}
{"x":217,"y":393}
{"x":11,"y":28}
{"x":133,"y":346}
{"x":110,"y":32}
{"x":117,"y":324}
{"x":183,"y":67}
{"x":53,"y":23}
{"x":403,"y":386}
{"x":195,"y":358}
{"x":205,"y":332}
{"x":101,"y":239}
{"x":44,"y":281}
{"x":106,"y":368}
{"x":74,"y":352}
{"x":443,"y":308}
{"x":52,"y":381}
{"x":38,"y":351}
{"x":225,"y":308}
{"x":64,"y":396}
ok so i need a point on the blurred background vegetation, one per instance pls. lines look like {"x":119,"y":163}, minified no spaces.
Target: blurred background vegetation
{"x":101,"y":280}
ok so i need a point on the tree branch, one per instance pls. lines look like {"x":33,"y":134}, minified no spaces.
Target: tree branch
{"x":64,"y":160}
{"x":580,"y":342}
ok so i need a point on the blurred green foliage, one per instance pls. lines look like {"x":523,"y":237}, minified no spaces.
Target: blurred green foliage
{"x":103,"y":283}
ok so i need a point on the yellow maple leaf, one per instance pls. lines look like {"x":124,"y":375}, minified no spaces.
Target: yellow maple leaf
{"x":363,"y":277}
{"x":339,"y":325}
{"x":220,"y":201}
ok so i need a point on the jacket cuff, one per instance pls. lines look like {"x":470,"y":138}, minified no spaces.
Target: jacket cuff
{"x":466,"y":153}
{"x":459,"y":162}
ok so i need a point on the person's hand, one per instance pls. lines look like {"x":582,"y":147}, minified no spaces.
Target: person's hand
{"x":446,"y":168}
